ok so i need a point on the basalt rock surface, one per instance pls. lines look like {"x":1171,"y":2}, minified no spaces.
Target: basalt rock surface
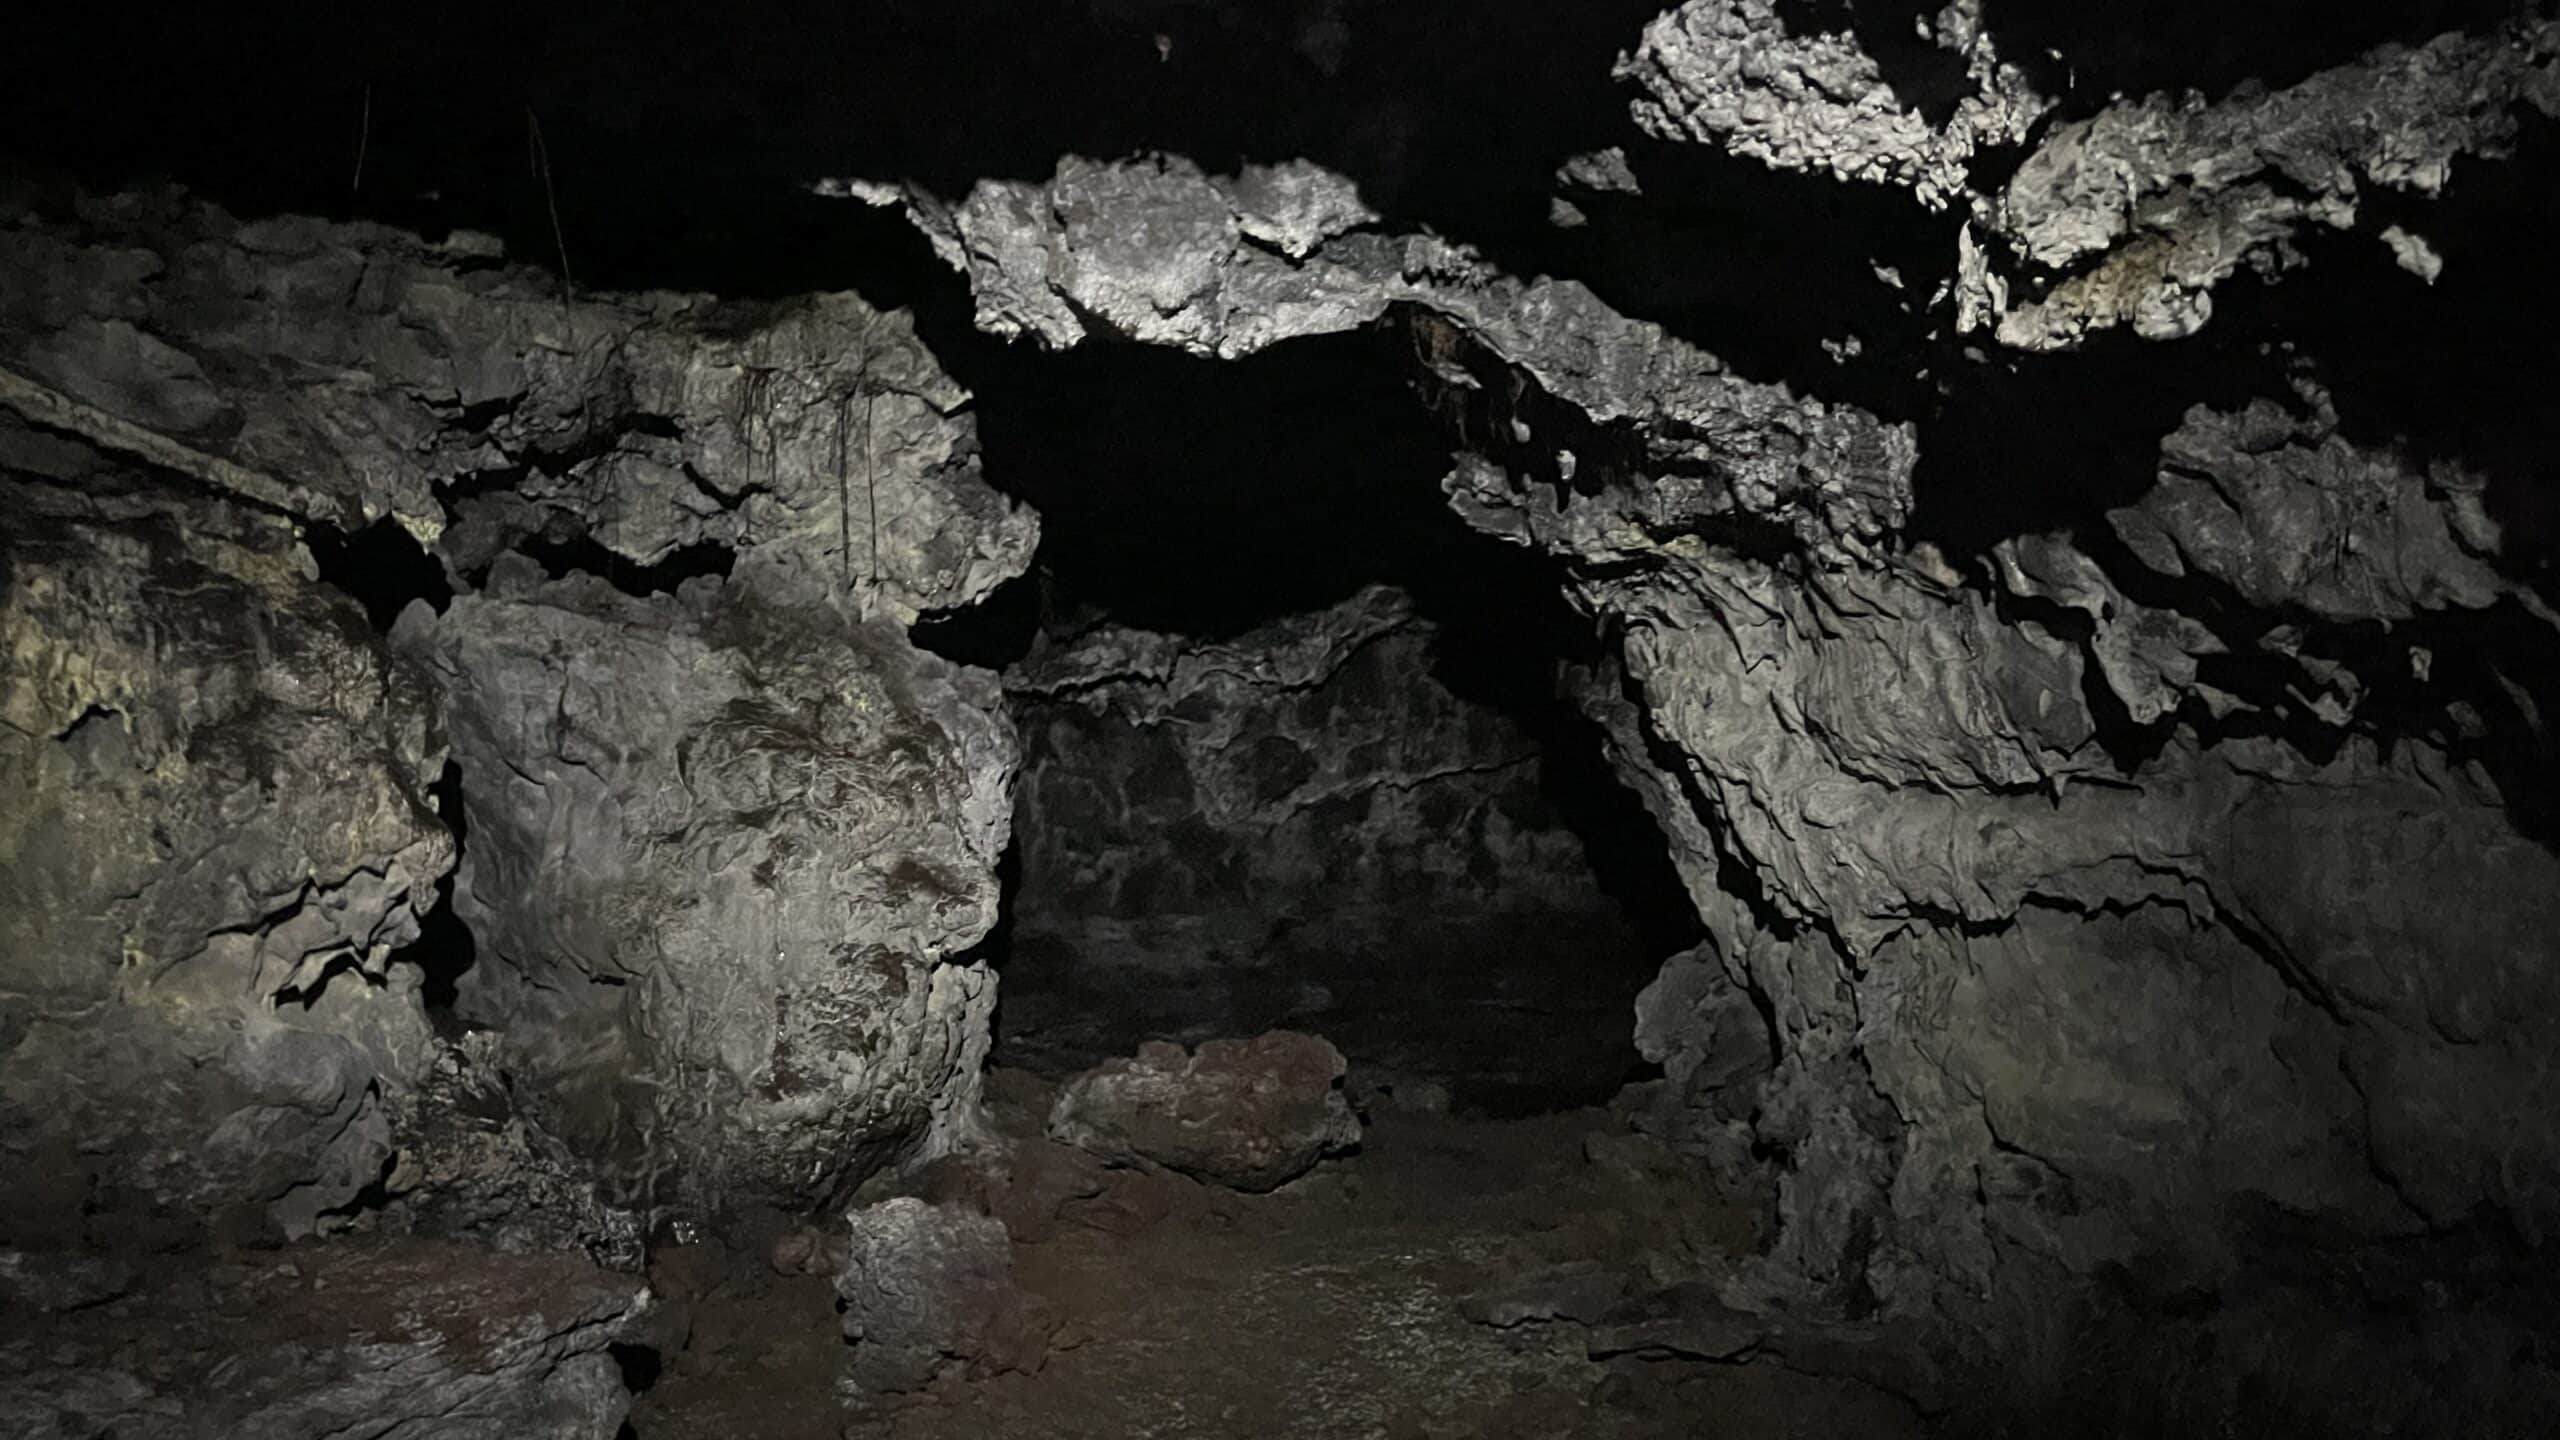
{"x":2133,"y":216}
{"x":928,"y":1288}
{"x":349,"y":373}
{"x":725,"y":842}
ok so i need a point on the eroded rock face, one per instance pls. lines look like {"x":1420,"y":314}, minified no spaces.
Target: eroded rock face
{"x":720,"y":855}
{"x":1734,"y":73}
{"x":2133,"y":215}
{"x":413,"y":1339}
{"x":929,"y":1289}
{"x":1248,"y":1113}
{"x":216,"y":838}
{"x":345,"y":373}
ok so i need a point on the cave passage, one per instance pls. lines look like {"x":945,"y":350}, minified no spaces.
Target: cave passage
{"x":1345,"y":794}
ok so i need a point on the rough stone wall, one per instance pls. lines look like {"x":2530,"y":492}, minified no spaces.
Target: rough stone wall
{"x":217,"y":835}
{"x":1305,"y":824}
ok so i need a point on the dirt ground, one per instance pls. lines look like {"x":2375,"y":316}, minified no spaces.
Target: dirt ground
{"x":1335,"y":1306}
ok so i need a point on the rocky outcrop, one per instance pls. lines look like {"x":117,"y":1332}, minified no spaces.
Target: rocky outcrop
{"x":2133,"y":215}
{"x":720,"y":853}
{"x":1733,"y":73}
{"x":928,"y":1290}
{"x":217,"y":838}
{"x":1248,"y":1113}
{"x":1307,"y":824}
{"x":413,"y":1339}
{"x":347,"y":373}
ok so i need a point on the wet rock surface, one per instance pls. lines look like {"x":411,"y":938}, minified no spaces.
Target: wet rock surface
{"x":1247,"y":1113}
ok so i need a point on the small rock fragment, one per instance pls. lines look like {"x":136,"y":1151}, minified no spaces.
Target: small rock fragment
{"x":1247,"y":1113}
{"x":928,"y":1288}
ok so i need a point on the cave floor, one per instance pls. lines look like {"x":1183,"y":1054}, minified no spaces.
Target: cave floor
{"x":1332,"y":1307}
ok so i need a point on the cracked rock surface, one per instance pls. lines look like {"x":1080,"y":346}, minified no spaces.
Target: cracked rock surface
{"x":346,"y":373}
{"x":1996,"y":855}
{"x":1736,"y":74}
{"x":2056,"y":508}
{"x":2133,"y":215}
{"x":927,"y":1288}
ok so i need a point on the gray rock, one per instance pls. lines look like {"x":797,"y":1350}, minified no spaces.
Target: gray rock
{"x":2037,"y":1009}
{"x":722,"y":857}
{"x":2133,"y":215}
{"x":1732,"y":74}
{"x":421,"y":1341}
{"x":217,"y":840}
{"x":927,"y":1290}
{"x":1303,"y":826}
{"x":814,"y":437}
{"x":1247,"y":1113}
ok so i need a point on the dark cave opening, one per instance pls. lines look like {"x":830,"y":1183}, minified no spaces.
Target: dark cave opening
{"x":382,"y":567}
{"x":1376,"y":816}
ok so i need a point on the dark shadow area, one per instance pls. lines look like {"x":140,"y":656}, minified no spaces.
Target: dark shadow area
{"x":2141,"y":46}
{"x":2457,"y":370}
{"x":1207,"y":496}
{"x":1449,"y":115}
{"x":1760,"y":267}
{"x":2024,"y":444}
{"x":382,"y":566}
{"x":563,"y":554}
{"x":444,"y":950}
{"x":1421,"y":855}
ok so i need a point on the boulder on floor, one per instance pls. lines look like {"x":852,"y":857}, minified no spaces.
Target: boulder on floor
{"x":927,"y":1290}
{"x":745,"y":983}
{"x":1247,"y":1113}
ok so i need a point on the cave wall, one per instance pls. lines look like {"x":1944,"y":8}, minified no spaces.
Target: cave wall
{"x":217,"y":838}
{"x":728,"y":830}
{"x":1307,"y":825}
